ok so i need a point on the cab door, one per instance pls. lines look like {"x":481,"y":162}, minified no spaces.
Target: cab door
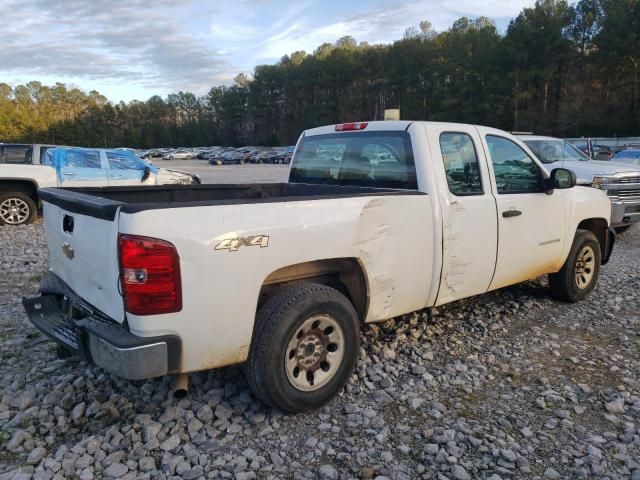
{"x":531,"y":222}
{"x":81,"y":167}
{"x":125,"y":168}
{"x":469,"y":224}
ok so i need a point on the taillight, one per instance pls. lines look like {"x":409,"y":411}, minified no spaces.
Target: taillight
{"x":344,"y":127}
{"x":150,"y":272}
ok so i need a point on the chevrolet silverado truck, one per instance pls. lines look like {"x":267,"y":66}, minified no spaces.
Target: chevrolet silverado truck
{"x":621,"y":181}
{"x":146,"y":282}
{"x":24,"y":168}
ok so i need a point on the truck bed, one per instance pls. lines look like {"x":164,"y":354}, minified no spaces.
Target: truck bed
{"x":103,"y":202}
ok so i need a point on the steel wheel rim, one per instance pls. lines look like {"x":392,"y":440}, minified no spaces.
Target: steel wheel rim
{"x":314,"y":353}
{"x":14,"y":211}
{"x":585,"y":267}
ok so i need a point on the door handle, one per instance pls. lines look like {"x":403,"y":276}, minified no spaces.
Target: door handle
{"x":69,"y":173}
{"x":511,"y":213}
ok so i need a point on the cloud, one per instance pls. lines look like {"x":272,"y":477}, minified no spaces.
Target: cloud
{"x":99,"y":39}
{"x":169,"y":45}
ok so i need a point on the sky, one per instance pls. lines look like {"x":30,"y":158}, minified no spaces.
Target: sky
{"x":134,"y":49}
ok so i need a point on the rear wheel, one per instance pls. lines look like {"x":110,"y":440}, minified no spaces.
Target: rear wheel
{"x":579,"y":275}
{"x":305,"y":346}
{"x":17,"y":208}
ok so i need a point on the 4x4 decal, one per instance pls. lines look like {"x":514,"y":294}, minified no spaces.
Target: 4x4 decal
{"x":232,"y":244}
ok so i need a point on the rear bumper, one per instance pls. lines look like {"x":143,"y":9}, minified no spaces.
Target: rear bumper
{"x":104,"y":342}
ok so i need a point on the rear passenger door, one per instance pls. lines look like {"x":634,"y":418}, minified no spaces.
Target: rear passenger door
{"x":81,"y":168}
{"x":469,"y":222}
{"x":531,"y":222}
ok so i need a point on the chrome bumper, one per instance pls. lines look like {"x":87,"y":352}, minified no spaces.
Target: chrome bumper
{"x":625,"y":201}
{"x":624,"y":213}
{"x":102,"y":341}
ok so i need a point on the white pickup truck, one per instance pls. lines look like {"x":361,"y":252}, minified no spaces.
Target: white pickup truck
{"x":24,"y":168}
{"x":378,"y":219}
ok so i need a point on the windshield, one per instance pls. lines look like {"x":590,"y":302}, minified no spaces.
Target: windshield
{"x":382,"y":159}
{"x":550,"y":151}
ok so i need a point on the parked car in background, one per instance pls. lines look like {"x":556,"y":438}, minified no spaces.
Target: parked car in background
{"x":153,"y":153}
{"x":181,"y":154}
{"x":621,"y":181}
{"x":154,"y":288}
{"x":630,"y":156}
{"x":596,"y":151}
{"x":26,"y":168}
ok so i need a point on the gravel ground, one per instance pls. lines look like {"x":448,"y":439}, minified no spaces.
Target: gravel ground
{"x":507,"y":385}
{"x":247,"y":173}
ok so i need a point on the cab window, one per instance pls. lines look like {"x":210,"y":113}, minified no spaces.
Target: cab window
{"x":381,"y":159}
{"x":16,"y":154}
{"x":460,"y":164}
{"x":124,"y":161}
{"x":514,"y":170}
{"x":83,"y":159}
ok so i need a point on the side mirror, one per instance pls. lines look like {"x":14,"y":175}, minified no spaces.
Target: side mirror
{"x":562,"y":178}
{"x":145,"y":173}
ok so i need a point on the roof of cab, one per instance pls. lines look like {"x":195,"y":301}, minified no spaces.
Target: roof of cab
{"x":386,"y":125}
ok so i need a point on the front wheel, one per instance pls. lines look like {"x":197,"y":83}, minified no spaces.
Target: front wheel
{"x":579,"y":274}
{"x":305,"y":346}
{"x":17,"y":208}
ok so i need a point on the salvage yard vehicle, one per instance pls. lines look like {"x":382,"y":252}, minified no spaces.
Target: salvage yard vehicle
{"x":145,"y":282}
{"x":180,"y":154}
{"x":620,"y":180}
{"x":26,"y":168}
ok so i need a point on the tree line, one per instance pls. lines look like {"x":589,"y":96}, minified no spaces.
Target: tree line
{"x":559,"y":69}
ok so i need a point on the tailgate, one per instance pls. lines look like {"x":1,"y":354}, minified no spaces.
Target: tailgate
{"x":82,"y":237}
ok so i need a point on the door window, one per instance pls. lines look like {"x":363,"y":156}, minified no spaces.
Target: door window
{"x":124,"y":161}
{"x":514,"y":170}
{"x":83,"y":159}
{"x":460,"y":164}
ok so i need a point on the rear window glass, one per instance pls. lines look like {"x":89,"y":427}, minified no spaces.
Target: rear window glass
{"x":368,"y":159}
{"x":20,"y":154}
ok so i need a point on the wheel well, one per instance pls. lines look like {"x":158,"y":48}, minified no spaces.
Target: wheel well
{"x":24,"y":186}
{"x":598,"y":226}
{"x":344,"y":274}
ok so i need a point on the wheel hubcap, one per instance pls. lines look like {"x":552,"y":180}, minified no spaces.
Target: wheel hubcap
{"x":14,"y":211}
{"x":314,"y":353}
{"x":585,"y":267}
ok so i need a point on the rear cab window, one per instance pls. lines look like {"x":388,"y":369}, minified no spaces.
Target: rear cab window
{"x":378,"y":159}
{"x":16,"y":154}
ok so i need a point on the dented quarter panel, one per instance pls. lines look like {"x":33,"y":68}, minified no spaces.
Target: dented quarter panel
{"x":220,"y":288}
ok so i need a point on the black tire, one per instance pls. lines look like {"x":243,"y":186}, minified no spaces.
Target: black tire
{"x":277,"y":323}
{"x":622,"y":229}
{"x":22,"y":198}
{"x":565,"y":284}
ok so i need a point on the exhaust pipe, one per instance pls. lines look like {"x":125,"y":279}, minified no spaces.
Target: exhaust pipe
{"x":180,"y":386}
